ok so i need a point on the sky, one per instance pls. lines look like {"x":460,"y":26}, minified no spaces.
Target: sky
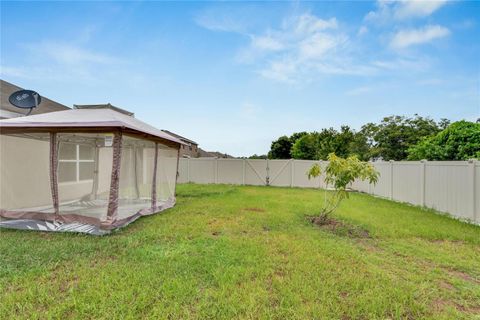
{"x":234,"y":76}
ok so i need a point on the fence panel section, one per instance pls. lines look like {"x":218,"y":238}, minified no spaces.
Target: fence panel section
{"x":447,"y":186}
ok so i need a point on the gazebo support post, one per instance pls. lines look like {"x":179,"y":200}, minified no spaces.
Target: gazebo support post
{"x":115,"y":178}
{"x":53,"y":170}
{"x":154,"y":178}
{"x":177,"y":174}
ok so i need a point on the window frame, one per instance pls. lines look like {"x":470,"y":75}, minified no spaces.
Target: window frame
{"x":77,"y":162}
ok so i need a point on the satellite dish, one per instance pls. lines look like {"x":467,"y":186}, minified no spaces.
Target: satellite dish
{"x":25,"y":99}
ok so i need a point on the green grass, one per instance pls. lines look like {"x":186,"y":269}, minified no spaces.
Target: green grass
{"x":249,"y":253}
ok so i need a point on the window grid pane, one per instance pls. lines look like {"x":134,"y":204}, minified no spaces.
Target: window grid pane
{"x":67,"y":171}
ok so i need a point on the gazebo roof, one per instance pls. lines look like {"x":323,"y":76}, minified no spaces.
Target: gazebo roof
{"x":86,"y":119}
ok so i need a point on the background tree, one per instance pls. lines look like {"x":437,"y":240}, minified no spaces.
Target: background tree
{"x":360,"y":147}
{"x":459,"y":141}
{"x":280,"y":148}
{"x":318,"y":145}
{"x":306,"y":147}
{"x":390,"y":140}
{"x":394,"y":135}
{"x":332,"y":141}
{"x":297,"y":135}
{"x":257,"y":156}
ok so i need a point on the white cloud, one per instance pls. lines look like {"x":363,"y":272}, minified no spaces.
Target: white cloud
{"x":319,"y":44}
{"x":267,"y":43}
{"x":359,"y":91}
{"x":362,"y":30}
{"x":215,"y":24}
{"x":417,"y":8}
{"x":400,"y":64}
{"x":280,"y":70}
{"x":60,"y":61}
{"x":406,"y":38}
{"x":14,"y":72}
{"x":308,"y":23}
{"x":430,"y":82}
{"x":304,"y":44}
{"x":225,"y":19}
{"x":305,"y":47}
{"x":66,"y":53}
{"x":388,"y":10}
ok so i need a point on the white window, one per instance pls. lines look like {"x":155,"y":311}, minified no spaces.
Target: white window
{"x":75,"y":163}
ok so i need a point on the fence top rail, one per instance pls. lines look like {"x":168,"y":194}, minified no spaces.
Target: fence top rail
{"x":457,"y":163}
{"x":229,"y":159}
{"x":447,"y":163}
{"x":413,"y":163}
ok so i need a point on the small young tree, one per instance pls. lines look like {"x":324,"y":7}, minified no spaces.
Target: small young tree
{"x":339,"y":173}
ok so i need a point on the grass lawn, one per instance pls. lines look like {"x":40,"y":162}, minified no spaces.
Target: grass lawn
{"x":249,"y":252}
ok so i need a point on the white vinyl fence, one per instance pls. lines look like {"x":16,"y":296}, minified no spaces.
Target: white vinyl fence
{"x":447,"y":186}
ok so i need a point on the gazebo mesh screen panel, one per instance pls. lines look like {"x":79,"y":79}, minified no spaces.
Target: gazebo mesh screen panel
{"x":136,"y":176}
{"x":84,"y":174}
{"x":24,"y":173}
{"x":166,"y":174}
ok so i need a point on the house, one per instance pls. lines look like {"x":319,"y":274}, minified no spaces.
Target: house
{"x":189,"y":149}
{"x":7,"y":110}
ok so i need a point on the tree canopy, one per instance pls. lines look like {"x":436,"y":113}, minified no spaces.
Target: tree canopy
{"x":459,"y":141}
{"x":390,"y":139}
{"x":394,"y":135}
{"x":318,"y":145}
{"x":280,"y":148}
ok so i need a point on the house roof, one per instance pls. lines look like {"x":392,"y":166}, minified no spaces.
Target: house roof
{"x":180,"y":137}
{"x":212,"y":154}
{"x":47,"y":105}
{"x":93,"y":119}
{"x":103,"y":106}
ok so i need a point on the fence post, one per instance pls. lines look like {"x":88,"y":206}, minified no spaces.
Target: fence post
{"x":292,"y":172}
{"x":471,"y":175}
{"x":370,"y":185}
{"x":391,"y":179}
{"x":243,"y":172}
{"x":423,"y":165}
{"x":216,"y":170}
{"x":188,"y":170}
{"x":320,"y":163}
{"x":267,"y":178}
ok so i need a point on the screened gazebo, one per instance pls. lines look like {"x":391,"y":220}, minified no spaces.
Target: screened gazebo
{"x":85,"y":170}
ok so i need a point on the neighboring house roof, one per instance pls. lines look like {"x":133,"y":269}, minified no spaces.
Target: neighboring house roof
{"x":7,"y":110}
{"x":103,"y":106}
{"x":212,"y":154}
{"x":180,"y":137}
{"x":87,"y":118}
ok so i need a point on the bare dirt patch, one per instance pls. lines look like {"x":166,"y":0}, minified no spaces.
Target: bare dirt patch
{"x":441,"y":304}
{"x":446,"y":285}
{"x":339,"y":227}
{"x":464,"y":276}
